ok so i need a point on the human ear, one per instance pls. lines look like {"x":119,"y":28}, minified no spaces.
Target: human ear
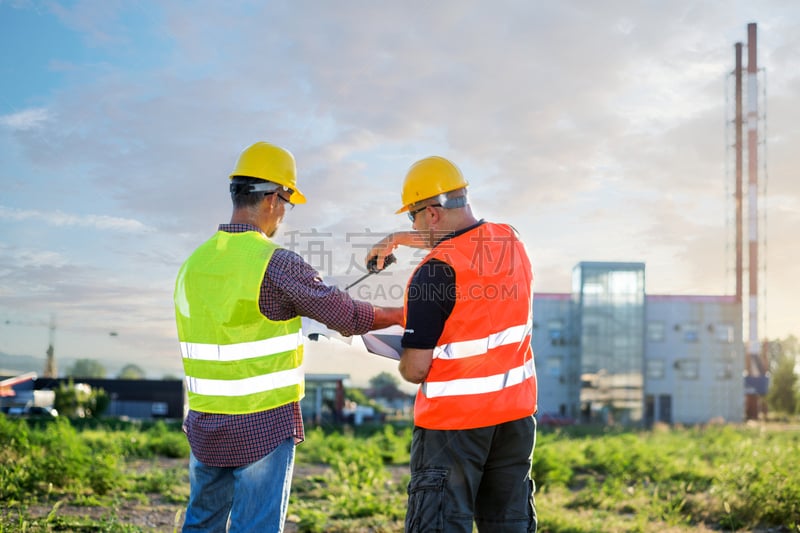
{"x":436,"y":216}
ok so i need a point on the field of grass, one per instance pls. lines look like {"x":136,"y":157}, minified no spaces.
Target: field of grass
{"x":133,"y":478}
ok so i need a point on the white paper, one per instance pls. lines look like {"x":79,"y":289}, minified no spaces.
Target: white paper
{"x":311,"y":327}
{"x":384,"y":342}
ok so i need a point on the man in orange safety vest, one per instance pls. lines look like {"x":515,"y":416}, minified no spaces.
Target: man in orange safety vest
{"x":467,"y":342}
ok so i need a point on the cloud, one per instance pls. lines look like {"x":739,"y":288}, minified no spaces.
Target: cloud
{"x":28,"y":119}
{"x":597,"y":131}
{"x":540,"y":107}
{"x":58,"y":218}
{"x":101,"y":23}
{"x":17,"y":264}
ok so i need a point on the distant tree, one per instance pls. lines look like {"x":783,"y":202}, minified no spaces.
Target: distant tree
{"x":783,"y":394}
{"x":66,"y":400}
{"x":386,"y":385}
{"x":383,"y":379}
{"x":131,"y":371}
{"x":81,"y":400}
{"x":87,"y":368}
{"x":99,"y":400}
{"x":169,"y":377}
{"x":356,"y":395}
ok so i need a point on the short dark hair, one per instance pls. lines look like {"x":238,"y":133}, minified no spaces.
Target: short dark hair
{"x":241,"y":195}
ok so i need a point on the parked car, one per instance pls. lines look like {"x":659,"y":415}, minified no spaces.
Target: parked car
{"x":43,"y":412}
{"x":32,"y":412}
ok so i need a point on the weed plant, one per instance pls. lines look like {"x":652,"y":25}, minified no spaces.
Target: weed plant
{"x":53,"y":464}
{"x":356,"y":491}
{"x":723,"y":478}
{"x":735,"y":479}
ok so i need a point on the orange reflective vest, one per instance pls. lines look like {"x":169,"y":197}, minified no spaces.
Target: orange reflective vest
{"x":482,"y":371}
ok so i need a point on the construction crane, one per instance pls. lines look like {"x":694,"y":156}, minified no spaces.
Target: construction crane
{"x":50,"y":367}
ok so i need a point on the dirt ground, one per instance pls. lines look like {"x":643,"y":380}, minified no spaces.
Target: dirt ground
{"x":158,"y":515}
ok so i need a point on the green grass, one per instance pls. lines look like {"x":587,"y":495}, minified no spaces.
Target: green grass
{"x":725,"y":478}
{"x":356,"y":491}
{"x":60,"y":477}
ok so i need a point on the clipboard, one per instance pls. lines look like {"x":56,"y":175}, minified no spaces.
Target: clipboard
{"x":385,"y":342}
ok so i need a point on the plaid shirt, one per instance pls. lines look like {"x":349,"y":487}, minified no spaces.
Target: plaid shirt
{"x":291,"y":287}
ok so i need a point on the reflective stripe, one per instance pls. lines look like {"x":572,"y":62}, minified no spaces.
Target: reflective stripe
{"x":243,"y":387}
{"x":461,"y":387}
{"x":458,"y":350}
{"x":242,"y":350}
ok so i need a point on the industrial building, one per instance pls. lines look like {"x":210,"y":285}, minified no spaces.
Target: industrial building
{"x":609,"y":352}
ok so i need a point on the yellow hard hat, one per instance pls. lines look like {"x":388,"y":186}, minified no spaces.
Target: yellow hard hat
{"x":272,"y":163}
{"x":430,"y":177}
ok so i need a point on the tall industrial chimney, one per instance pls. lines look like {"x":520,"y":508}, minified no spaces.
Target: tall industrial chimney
{"x":739,"y":151}
{"x":753,"y":349}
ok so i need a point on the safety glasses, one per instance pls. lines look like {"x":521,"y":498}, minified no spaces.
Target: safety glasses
{"x":412,"y":215}
{"x":289,"y":205}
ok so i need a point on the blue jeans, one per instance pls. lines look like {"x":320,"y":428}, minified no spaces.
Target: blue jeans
{"x":254,"y":496}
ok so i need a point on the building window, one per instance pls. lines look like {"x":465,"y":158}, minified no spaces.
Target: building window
{"x":555,"y":331}
{"x":724,"y":369}
{"x":724,"y":333}
{"x":553,"y":366}
{"x":691,"y":332}
{"x":726,"y":365}
{"x":159,"y":409}
{"x":655,"y":331}
{"x":687,"y":368}
{"x":665,"y":408}
{"x":654,"y":368}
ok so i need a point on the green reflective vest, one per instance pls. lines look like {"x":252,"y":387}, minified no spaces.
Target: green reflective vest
{"x":236,"y":360}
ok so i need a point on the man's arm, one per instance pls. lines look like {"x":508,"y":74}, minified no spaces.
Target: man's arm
{"x":413,"y":239}
{"x":293,"y":287}
{"x":387,"y":316}
{"x":428,"y":311}
{"x":415,"y":363}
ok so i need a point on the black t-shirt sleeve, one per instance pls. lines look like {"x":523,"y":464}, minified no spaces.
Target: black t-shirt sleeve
{"x":431,"y":298}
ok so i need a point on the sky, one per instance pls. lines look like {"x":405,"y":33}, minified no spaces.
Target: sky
{"x":600,"y":130}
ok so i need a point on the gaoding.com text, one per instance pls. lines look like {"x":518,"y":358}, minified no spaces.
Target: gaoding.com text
{"x":429,"y":293}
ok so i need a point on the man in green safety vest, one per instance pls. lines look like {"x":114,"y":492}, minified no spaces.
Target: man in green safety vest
{"x":238,"y":302}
